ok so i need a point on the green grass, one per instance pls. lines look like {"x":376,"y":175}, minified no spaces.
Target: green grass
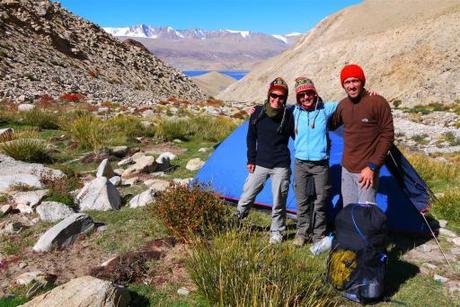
{"x":12,"y":301}
{"x":29,"y":150}
{"x":147,"y":295}
{"x":127,"y":229}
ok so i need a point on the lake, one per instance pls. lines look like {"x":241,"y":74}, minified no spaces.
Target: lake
{"x":234,"y":74}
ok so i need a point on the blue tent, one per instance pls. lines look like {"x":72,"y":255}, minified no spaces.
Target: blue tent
{"x":402,"y":194}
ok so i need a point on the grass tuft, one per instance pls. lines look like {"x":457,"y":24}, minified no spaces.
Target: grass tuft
{"x":29,"y":150}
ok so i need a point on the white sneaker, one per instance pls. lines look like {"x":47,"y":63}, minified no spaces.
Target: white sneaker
{"x":276,"y":239}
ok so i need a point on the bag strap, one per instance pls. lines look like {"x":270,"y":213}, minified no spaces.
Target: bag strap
{"x":360,"y":233}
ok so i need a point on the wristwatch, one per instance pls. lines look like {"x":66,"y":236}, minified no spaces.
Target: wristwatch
{"x":372,"y":166}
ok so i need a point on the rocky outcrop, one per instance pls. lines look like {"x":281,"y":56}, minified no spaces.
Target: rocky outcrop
{"x":64,"y":233}
{"x":84,"y":291}
{"x":99,"y":194}
{"x":408,"y":49}
{"x":51,"y":211}
{"x":46,"y":49}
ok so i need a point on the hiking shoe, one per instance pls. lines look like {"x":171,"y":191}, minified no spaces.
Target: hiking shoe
{"x":276,"y":239}
{"x":298,"y":241}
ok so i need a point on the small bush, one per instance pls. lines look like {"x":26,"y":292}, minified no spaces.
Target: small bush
{"x":448,"y":206}
{"x":90,"y":132}
{"x":41,"y":119}
{"x":29,"y":150}
{"x":450,"y":138}
{"x":397,"y":103}
{"x":239,"y":269}
{"x":430,"y":169}
{"x":169,"y":130}
{"x":213,"y":129}
{"x":72,"y":97}
{"x":128,"y":127}
{"x":420,"y":138}
{"x":189,"y":210}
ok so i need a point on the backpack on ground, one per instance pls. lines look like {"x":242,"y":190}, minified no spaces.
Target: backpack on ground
{"x":357,"y":261}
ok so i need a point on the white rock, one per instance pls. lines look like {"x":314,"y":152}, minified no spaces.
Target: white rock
{"x":130,"y":181}
{"x":118,"y":171}
{"x":105,"y":169}
{"x":36,"y":276}
{"x":142,"y":199}
{"x":24,"y":209}
{"x":6,"y":133}
{"x":85,"y":291}
{"x":183,"y":291}
{"x":447,"y":233}
{"x":7,"y":181}
{"x":11,"y":166}
{"x":51,"y":211}
{"x":442,"y":223}
{"x":142,"y":165}
{"x":115,"y":180}
{"x":456,"y":241}
{"x":25,"y":107}
{"x":182,"y":181}
{"x":166,"y":155}
{"x":148,"y":113}
{"x":64,"y":233}
{"x":5,"y":209}
{"x":119,"y":151}
{"x":194,"y":164}
{"x":126,"y":161}
{"x":440,"y":278}
{"x":158,"y":185}
{"x":203,"y":149}
{"x":99,"y":194}
{"x":30,"y":198}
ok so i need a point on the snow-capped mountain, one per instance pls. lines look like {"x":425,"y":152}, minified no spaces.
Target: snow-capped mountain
{"x":192,"y":49}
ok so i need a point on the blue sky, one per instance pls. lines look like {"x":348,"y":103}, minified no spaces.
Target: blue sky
{"x":268,"y":16}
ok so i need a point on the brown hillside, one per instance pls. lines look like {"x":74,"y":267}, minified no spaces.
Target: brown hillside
{"x":213,"y":82}
{"x":408,"y":49}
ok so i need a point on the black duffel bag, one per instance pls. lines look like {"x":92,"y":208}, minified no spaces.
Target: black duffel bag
{"x":357,"y":261}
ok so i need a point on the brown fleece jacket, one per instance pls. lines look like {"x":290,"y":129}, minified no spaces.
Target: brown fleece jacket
{"x":368,"y":131}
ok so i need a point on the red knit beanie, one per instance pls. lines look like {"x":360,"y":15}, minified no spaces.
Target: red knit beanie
{"x":278,"y":84}
{"x":352,"y":71}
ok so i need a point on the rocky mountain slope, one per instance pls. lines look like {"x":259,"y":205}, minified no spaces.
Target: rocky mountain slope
{"x":408,"y":49}
{"x":207,"y":50}
{"x":213,"y":82}
{"x":45,"y":49}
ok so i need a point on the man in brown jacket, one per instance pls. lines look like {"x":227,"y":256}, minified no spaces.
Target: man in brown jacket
{"x":368,"y":135}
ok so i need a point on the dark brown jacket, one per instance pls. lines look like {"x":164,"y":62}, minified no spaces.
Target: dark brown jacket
{"x":368,"y":131}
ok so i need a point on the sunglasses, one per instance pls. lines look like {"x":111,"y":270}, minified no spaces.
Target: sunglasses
{"x":309,"y":93}
{"x":274,"y":96}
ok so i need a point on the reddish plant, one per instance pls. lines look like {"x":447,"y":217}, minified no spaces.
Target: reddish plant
{"x":72,"y":97}
{"x":45,"y":101}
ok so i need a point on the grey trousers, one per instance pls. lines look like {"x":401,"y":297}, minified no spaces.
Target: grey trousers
{"x":353,"y":193}
{"x":311,"y":210}
{"x":255,"y":181}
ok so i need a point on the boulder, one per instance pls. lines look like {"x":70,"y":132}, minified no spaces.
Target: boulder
{"x":11,"y":166}
{"x":142,"y":199}
{"x":7,"y":181}
{"x":64,"y":233}
{"x":25,"y":107}
{"x":115,"y":180}
{"x":142,"y":165}
{"x":105,"y":169}
{"x":194,"y":164}
{"x":119,"y":151}
{"x":99,"y":194}
{"x":164,"y":161}
{"x":30,"y":198}
{"x":35,"y":277}
{"x":85,"y":291}
{"x":158,"y":185}
{"x":51,"y":211}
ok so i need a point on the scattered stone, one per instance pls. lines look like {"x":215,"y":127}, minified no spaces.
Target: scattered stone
{"x":158,"y":174}
{"x":118,"y":171}
{"x":425,"y":248}
{"x":182,"y":181}
{"x":6,"y":133}
{"x":158,"y":185}
{"x":130,"y":181}
{"x":126,"y":161}
{"x":22,"y":265}
{"x":144,"y":164}
{"x":142,"y":199}
{"x":203,"y":149}
{"x":24,"y":209}
{"x":99,"y":194}
{"x":30,"y":198}
{"x":177,"y":141}
{"x":83,"y":291}
{"x":64,"y":233}
{"x":26,"y":107}
{"x":101,"y":228}
{"x":5,"y":209}
{"x":119,"y":151}
{"x":456,"y":241}
{"x":13,"y":227}
{"x":440,"y":278}
{"x":194,"y":164}
{"x":51,"y":211}
{"x":183,"y":291}
{"x":12,"y":166}
{"x":447,"y":233}
{"x":8,"y":181}
{"x":105,"y":169}
{"x":35,"y":277}
{"x":166,"y":155}
{"x":455,"y":251}
{"x":442,"y":223}
{"x":148,"y":113}
{"x":115,"y":180}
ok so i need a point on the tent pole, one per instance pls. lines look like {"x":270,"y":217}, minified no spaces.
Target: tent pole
{"x":436,"y":239}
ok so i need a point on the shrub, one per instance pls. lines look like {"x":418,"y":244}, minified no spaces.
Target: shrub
{"x":239,"y":269}
{"x":72,"y":97}
{"x":189,"y":210}
{"x":420,"y":138}
{"x":90,"y":132}
{"x":448,"y":206}
{"x":397,"y":103}
{"x":213,"y":129}
{"x":450,"y":138}
{"x":430,"y":169}
{"x":169,"y":130}
{"x":30,"y":150}
{"x":128,"y":127}
{"x":41,"y":119}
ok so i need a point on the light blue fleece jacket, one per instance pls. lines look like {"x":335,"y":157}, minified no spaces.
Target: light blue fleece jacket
{"x":311,"y":139}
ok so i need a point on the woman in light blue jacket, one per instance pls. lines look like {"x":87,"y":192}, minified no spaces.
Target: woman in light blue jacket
{"x":311,"y":176}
